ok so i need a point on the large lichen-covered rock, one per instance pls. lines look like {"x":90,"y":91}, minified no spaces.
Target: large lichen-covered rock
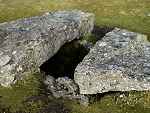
{"x":27,"y":43}
{"x":118,"y":62}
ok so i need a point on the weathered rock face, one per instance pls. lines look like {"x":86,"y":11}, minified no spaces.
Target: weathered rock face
{"x":61,"y":87}
{"x":27,"y":43}
{"x":66,"y":88}
{"x":119,"y":62}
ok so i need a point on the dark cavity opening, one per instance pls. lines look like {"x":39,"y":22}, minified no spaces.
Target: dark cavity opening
{"x":64,"y":62}
{"x":99,"y":32}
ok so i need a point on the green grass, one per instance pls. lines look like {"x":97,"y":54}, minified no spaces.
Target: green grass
{"x":13,"y":98}
{"x":129,"y":14}
{"x":131,"y":102}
